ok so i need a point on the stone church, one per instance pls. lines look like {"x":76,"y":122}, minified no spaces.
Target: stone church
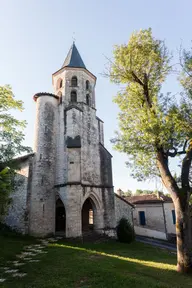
{"x":66,"y":185}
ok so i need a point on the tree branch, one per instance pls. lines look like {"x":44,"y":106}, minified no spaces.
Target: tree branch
{"x":167,"y":178}
{"x":186,"y":164}
{"x":136,"y":78}
{"x":172,"y":154}
{"x":146,"y":91}
{"x":176,"y":152}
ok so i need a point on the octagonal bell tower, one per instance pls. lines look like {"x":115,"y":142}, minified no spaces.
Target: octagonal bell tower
{"x":84,"y":171}
{"x":73,"y":82}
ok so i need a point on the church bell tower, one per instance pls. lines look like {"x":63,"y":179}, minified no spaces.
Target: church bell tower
{"x":72,"y":187}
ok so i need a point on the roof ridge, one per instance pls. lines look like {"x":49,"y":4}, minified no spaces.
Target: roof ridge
{"x":148,"y":198}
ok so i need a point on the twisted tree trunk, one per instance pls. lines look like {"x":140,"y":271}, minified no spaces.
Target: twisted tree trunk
{"x":180,"y":197}
{"x":184,"y":263}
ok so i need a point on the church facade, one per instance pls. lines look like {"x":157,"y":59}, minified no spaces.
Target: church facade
{"x":66,"y":185}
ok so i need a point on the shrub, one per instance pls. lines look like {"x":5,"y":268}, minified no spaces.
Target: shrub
{"x":125,"y":231}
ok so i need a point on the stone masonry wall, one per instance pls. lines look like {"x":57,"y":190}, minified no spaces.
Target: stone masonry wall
{"x":79,"y":171}
{"x":82,"y":76}
{"x":90,"y":158}
{"x":42,"y":200}
{"x":73,"y":198}
{"x":123,"y":210}
{"x":16,"y":217}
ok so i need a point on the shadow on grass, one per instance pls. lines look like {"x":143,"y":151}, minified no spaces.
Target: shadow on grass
{"x":143,"y":251}
{"x":104,"y":265}
{"x":101,"y":263}
{"x":124,"y":256}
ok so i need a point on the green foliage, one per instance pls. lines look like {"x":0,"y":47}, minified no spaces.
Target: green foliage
{"x":6,"y":179}
{"x":142,"y":55}
{"x":140,"y":191}
{"x":11,"y":129}
{"x":148,"y":120}
{"x":125,"y":231}
{"x":144,"y":192}
{"x":11,"y":138}
{"x":129,"y":193}
{"x":186,"y":74}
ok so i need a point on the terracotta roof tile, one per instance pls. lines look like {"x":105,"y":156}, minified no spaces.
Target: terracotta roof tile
{"x":148,"y":198}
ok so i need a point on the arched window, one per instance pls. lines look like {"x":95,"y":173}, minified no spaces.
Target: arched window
{"x":87,"y":84}
{"x":59,"y":83}
{"x":74,"y":81}
{"x":88,"y":100}
{"x":59,"y":94}
{"x":73,"y":96}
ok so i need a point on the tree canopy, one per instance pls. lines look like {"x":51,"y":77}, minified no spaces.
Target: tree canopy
{"x":150,"y":120}
{"x":11,"y":138}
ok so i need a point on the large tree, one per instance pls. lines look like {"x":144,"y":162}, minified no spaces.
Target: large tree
{"x":154,"y":127}
{"x":11,"y":138}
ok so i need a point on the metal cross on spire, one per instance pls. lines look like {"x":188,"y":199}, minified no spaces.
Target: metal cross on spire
{"x":73,"y":37}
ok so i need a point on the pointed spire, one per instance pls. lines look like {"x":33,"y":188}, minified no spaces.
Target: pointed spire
{"x":73,"y":58}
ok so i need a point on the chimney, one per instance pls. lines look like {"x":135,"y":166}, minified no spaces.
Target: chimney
{"x":119,"y":192}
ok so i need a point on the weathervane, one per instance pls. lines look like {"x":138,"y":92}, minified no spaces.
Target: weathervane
{"x":73,"y":37}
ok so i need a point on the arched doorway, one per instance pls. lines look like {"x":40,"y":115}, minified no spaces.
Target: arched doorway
{"x":87,"y":215}
{"x":60,"y":217}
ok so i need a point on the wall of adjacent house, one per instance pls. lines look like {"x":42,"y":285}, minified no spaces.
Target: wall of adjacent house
{"x":154,"y":220}
{"x":168,"y":207}
{"x":17,"y":217}
{"x":123,"y":210}
{"x":150,"y":233}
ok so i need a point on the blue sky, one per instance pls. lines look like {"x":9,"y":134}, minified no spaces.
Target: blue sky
{"x":36,"y":36}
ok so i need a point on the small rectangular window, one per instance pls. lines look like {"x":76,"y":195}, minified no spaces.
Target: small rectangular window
{"x":173,"y":217}
{"x":142,"y":220}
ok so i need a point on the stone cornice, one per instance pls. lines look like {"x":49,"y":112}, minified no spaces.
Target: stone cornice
{"x":40,"y":94}
{"x":73,"y":106}
{"x":75,"y":68}
{"x":82,"y":184}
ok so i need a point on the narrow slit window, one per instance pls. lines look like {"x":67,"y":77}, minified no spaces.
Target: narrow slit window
{"x":73,"y":96}
{"x":88,"y":99}
{"x":87,"y":84}
{"x":74,"y":81}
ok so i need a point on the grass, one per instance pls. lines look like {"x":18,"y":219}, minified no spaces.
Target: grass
{"x":11,"y":244}
{"x":110,"y":264}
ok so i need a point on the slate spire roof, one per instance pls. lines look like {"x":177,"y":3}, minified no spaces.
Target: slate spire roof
{"x":73,"y":58}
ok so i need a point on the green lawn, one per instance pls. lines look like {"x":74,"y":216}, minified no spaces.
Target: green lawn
{"x":103,"y":265}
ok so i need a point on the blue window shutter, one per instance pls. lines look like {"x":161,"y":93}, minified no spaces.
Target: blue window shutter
{"x":142,"y":218}
{"x":173,"y":216}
